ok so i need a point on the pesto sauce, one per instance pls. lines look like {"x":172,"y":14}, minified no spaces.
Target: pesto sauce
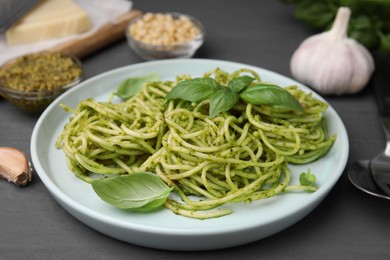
{"x":44,"y":71}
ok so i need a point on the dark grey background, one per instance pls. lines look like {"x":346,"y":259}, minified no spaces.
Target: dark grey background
{"x":348,"y":224}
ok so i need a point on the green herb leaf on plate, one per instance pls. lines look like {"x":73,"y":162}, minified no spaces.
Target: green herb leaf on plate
{"x":307,"y":179}
{"x":239,"y":83}
{"x":141,"y":191}
{"x":194,"y":90}
{"x":222,"y":100}
{"x":271,"y":95}
{"x":131,"y":86}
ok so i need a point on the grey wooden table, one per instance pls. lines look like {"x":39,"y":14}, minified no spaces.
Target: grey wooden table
{"x":348,"y":224}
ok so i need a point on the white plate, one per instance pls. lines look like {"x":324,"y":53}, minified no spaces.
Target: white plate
{"x":163,"y":229}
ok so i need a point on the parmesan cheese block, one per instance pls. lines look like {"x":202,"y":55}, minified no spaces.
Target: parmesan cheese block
{"x":50,"y":19}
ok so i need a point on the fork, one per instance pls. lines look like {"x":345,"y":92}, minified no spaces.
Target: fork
{"x":380,"y":165}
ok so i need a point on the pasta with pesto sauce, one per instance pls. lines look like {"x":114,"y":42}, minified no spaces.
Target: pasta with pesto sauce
{"x":237,"y":156}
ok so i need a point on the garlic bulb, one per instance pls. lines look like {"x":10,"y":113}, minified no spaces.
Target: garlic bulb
{"x":332,"y":63}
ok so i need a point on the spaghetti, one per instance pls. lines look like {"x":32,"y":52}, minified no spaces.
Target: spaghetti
{"x":238,"y":156}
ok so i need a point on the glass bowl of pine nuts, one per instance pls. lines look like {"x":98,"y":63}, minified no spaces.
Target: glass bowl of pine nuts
{"x":165,"y":35}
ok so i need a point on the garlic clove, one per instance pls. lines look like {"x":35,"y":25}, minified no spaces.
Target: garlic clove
{"x":332,"y":63}
{"x":14,"y":166}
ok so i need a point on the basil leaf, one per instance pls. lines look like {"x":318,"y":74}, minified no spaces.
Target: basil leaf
{"x":239,"y":83}
{"x":131,"y":86}
{"x":315,"y":14}
{"x":194,"y":90}
{"x":141,"y":191}
{"x":307,"y":179}
{"x":362,"y":29}
{"x":272,"y":95}
{"x":384,"y":42}
{"x":222,"y":100}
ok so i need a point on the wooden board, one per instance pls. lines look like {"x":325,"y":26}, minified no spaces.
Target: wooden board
{"x":104,"y":36}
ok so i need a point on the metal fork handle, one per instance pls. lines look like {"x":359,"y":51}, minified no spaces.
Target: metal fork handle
{"x":386,"y":128}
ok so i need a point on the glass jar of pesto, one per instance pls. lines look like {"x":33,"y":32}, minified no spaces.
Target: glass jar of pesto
{"x":33,"y":81}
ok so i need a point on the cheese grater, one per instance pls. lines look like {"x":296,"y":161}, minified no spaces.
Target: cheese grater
{"x":12,"y":10}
